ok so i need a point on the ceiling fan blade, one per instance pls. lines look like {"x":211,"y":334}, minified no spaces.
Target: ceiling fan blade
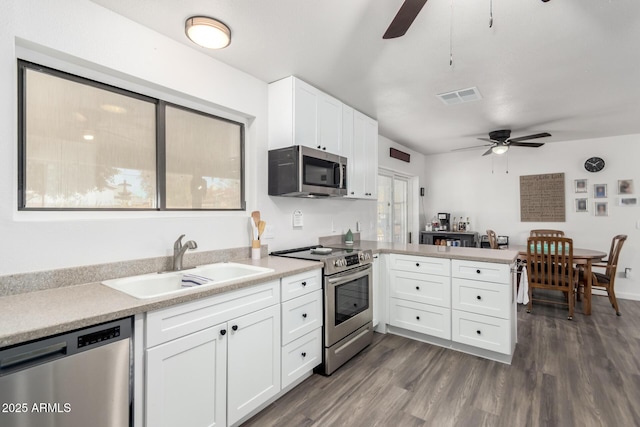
{"x":489,"y":151}
{"x":527,"y":144}
{"x":404,"y":18}
{"x":471,"y":148}
{"x":488,"y":140}
{"x":524,"y":138}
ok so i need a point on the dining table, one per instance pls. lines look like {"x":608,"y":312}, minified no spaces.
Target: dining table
{"x":581,"y":257}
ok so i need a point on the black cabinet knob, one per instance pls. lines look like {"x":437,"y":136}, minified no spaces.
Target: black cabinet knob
{"x":319,"y":147}
{"x":304,"y":315}
{"x":417,"y":288}
{"x":417,"y":317}
{"x":479,"y":298}
{"x":304,"y":354}
{"x":417,"y":264}
{"x":355,"y":305}
{"x":479,"y":332}
{"x":478,"y":271}
{"x":234,"y":327}
{"x":223,"y":332}
{"x":304,"y":283}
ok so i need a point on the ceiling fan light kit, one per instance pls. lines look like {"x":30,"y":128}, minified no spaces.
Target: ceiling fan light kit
{"x":500,"y":149}
{"x":207,"y":32}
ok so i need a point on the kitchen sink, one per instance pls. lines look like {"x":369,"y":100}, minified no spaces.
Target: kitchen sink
{"x":162,"y":284}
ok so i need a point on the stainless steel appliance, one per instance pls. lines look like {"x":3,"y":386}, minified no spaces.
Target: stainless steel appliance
{"x":348,"y":301}
{"x":445,"y":221}
{"x":300,"y":171}
{"x":80,"y":378}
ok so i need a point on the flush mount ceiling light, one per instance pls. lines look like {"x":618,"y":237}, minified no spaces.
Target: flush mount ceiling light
{"x":207,"y":32}
{"x":500,"y":149}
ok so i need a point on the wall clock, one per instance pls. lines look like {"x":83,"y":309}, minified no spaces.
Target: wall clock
{"x":594,"y":164}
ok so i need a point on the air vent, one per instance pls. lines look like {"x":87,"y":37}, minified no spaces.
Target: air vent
{"x":460,"y":96}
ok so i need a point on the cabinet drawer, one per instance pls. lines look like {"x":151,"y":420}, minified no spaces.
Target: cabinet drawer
{"x":424,"y":288}
{"x":420,"y":264}
{"x":301,"y":356}
{"x":301,"y":315}
{"x":484,"y":271}
{"x":480,"y":331}
{"x":422,"y":318}
{"x":300,"y":284}
{"x":493,"y":299}
{"x":177,"y":321}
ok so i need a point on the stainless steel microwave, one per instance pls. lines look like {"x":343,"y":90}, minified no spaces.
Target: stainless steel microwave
{"x":300,"y":171}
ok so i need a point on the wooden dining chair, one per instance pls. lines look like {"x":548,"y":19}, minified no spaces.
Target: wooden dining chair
{"x":493,"y":239}
{"x":607,"y":280}
{"x":546,"y":233}
{"x":550,"y":267}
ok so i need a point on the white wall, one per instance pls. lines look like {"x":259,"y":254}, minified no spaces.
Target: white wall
{"x":86,"y":36}
{"x":463,"y":184}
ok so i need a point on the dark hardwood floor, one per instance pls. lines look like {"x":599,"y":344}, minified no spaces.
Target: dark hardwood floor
{"x":584,"y":372}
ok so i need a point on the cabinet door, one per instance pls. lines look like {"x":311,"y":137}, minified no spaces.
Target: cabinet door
{"x":253,"y":361}
{"x":370,"y":158}
{"x":358,"y":169}
{"x":186,"y":380}
{"x":305,"y":114}
{"x":329,"y":124}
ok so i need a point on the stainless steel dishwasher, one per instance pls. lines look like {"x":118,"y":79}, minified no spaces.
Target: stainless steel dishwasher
{"x":80,"y":378}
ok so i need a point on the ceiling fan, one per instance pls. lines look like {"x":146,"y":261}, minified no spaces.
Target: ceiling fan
{"x":404,"y":18}
{"x":500,"y":141}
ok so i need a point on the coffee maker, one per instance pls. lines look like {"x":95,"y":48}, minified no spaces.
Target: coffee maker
{"x":445,"y":221}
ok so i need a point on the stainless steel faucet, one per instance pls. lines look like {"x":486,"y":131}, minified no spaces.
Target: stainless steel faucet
{"x":178,"y":251}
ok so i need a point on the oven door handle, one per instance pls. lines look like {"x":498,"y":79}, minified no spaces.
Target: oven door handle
{"x":365,"y":271}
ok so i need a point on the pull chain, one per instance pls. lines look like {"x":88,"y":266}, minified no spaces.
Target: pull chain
{"x":451,"y":37}
{"x":490,"y":13}
{"x":507,"y":162}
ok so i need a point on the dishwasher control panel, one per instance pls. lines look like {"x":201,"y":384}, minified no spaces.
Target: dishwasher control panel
{"x":99,"y":336}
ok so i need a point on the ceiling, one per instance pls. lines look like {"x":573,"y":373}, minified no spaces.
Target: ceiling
{"x":570,"y":68}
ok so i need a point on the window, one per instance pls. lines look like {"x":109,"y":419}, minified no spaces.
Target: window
{"x":89,"y":146}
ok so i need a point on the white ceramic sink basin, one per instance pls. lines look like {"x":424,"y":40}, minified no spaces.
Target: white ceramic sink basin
{"x":161,"y":284}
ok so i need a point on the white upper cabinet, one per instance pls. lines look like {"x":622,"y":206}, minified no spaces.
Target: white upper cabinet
{"x":300,"y":114}
{"x":360,"y":145}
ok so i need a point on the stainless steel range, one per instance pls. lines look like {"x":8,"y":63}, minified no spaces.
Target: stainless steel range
{"x":348,"y":304}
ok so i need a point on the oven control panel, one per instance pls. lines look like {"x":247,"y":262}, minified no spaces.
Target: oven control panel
{"x":344,"y":262}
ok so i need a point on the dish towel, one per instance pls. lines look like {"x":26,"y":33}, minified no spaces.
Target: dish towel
{"x":190,"y":280}
{"x":523,"y":290}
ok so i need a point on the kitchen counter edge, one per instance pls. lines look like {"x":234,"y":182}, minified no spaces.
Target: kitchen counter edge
{"x":29,"y":316}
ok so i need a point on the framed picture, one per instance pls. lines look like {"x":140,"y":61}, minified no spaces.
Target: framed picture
{"x":625,"y":186}
{"x":601,"y":209}
{"x":628,"y":201}
{"x":581,"y":205}
{"x":580,"y":185}
{"x":600,"y":191}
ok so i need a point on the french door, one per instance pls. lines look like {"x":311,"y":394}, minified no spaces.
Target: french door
{"x":393,"y":207}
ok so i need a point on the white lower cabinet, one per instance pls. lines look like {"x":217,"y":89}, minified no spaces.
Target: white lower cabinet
{"x":253,"y":361}
{"x":420,"y":295}
{"x":483,"y":307}
{"x":299,"y":357}
{"x":460,"y":304}
{"x":186,"y":380}
{"x":225,"y":365}
{"x":302,"y":319}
